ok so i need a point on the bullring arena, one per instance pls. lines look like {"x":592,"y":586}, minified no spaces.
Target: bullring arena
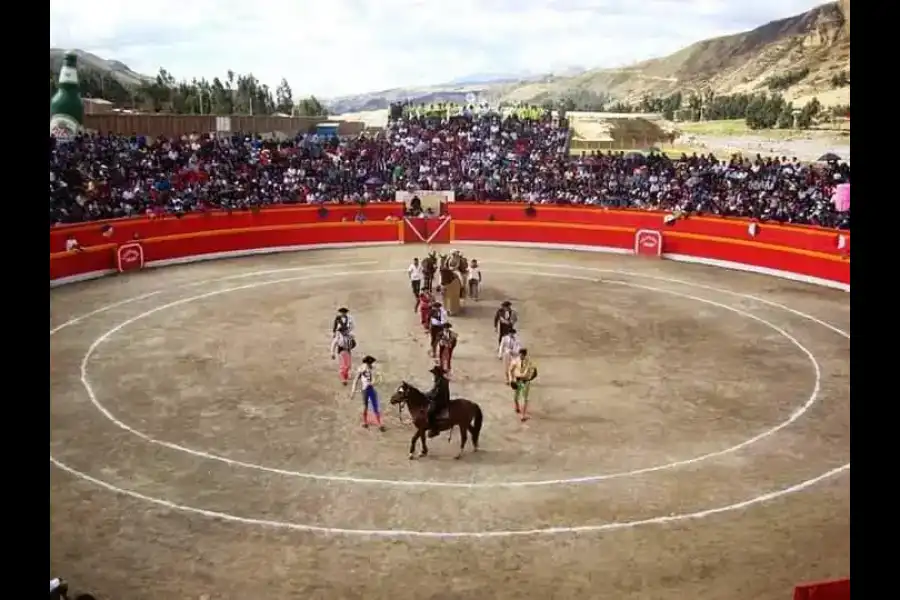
{"x":689,"y":436}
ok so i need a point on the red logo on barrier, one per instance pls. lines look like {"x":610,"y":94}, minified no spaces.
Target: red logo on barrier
{"x":648,"y":242}
{"x":130,"y":257}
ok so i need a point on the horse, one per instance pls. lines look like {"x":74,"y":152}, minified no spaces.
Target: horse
{"x":429,"y":268}
{"x":461,"y":413}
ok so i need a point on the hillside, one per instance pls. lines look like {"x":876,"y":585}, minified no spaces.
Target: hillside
{"x":817,"y":40}
{"x":100,"y":66}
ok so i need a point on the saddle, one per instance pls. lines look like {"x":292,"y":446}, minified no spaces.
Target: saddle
{"x":444,"y":413}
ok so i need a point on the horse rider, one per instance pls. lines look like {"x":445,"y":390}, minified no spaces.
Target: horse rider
{"x":438,"y":398}
{"x":416,"y":274}
{"x":343,"y":318}
{"x":366,"y":377}
{"x":454,"y":260}
{"x":522,"y":371}
{"x":509,"y":349}
{"x":474,"y":279}
{"x":446,"y":346}
{"x":505,"y":319}
{"x":428,"y":270}
{"x":342,"y":344}
{"x":437,"y":317}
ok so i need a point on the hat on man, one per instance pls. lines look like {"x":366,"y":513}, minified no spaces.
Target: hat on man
{"x":368,"y":359}
{"x":343,"y":310}
{"x":436,"y":370}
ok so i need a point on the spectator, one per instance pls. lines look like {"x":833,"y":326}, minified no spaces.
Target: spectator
{"x":478,"y":153}
{"x":72,"y":244}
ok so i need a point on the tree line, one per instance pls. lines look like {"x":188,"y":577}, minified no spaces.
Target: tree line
{"x":760,"y":110}
{"x":231,"y":95}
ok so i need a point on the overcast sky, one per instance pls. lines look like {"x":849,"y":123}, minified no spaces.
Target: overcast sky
{"x":337,"y":47}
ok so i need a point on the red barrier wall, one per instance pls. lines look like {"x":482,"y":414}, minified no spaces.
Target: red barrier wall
{"x":124,"y":230}
{"x":805,"y":253}
{"x":794,"y":236}
{"x":811,"y":253}
{"x":826,"y":590}
{"x":101,"y":259}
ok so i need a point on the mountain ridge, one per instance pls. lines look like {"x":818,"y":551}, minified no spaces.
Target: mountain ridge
{"x":817,"y":40}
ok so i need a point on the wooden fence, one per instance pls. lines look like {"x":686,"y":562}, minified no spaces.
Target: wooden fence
{"x":154,"y":125}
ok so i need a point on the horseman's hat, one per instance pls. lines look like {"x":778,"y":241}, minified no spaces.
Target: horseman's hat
{"x":343,"y":310}
{"x":506,"y":304}
{"x":523,"y":351}
{"x":447,"y":325}
{"x":437,"y":303}
{"x":368,"y":359}
{"x":436,"y":370}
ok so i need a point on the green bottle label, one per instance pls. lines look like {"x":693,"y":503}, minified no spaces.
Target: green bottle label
{"x":63,"y":127}
{"x":68,"y":75}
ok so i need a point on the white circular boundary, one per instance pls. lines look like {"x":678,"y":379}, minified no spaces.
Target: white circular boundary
{"x":411,"y":533}
{"x":476,"y":534}
{"x":796,"y":414}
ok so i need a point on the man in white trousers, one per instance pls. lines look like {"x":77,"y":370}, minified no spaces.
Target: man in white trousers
{"x":509,"y":351}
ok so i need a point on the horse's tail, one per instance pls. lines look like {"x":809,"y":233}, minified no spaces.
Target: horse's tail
{"x":476,"y":426}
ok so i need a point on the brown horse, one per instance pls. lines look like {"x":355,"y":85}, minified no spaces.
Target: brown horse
{"x":462,"y":413}
{"x":429,"y":268}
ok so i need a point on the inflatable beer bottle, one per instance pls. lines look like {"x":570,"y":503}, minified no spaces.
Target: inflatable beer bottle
{"x":66,"y":107}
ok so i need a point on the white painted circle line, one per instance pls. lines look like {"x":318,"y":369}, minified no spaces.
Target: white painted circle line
{"x":426,"y":483}
{"x":699,"y":286}
{"x":402,"y":533}
{"x":109,"y":307}
{"x":718,"y":290}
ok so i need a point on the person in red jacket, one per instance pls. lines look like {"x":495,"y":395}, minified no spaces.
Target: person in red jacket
{"x":446,"y":345}
{"x":424,"y":308}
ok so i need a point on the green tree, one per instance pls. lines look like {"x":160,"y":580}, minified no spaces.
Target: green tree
{"x":284,"y":97}
{"x":808,"y":113}
{"x":840,"y":80}
{"x":786,"y":118}
{"x":311,"y":107}
{"x":786,"y":80}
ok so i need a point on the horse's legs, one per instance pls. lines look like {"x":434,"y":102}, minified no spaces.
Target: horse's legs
{"x":464,"y":437}
{"x":412,"y":444}
{"x":423,"y":437}
{"x":474,"y":443}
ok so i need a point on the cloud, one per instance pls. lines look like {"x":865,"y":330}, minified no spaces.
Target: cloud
{"x":337,"y":47}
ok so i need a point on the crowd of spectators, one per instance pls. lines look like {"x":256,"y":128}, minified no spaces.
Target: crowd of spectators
{"x":480,"y":155}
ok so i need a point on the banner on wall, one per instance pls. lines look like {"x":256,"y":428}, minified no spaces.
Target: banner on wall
{"x":841,"y":197}
{"x":430,"y":198}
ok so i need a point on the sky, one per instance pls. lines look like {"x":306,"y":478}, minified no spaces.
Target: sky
{"x":333,"y":48}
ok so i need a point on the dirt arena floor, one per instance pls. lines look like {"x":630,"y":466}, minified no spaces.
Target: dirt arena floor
{"x":690,"y":434}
